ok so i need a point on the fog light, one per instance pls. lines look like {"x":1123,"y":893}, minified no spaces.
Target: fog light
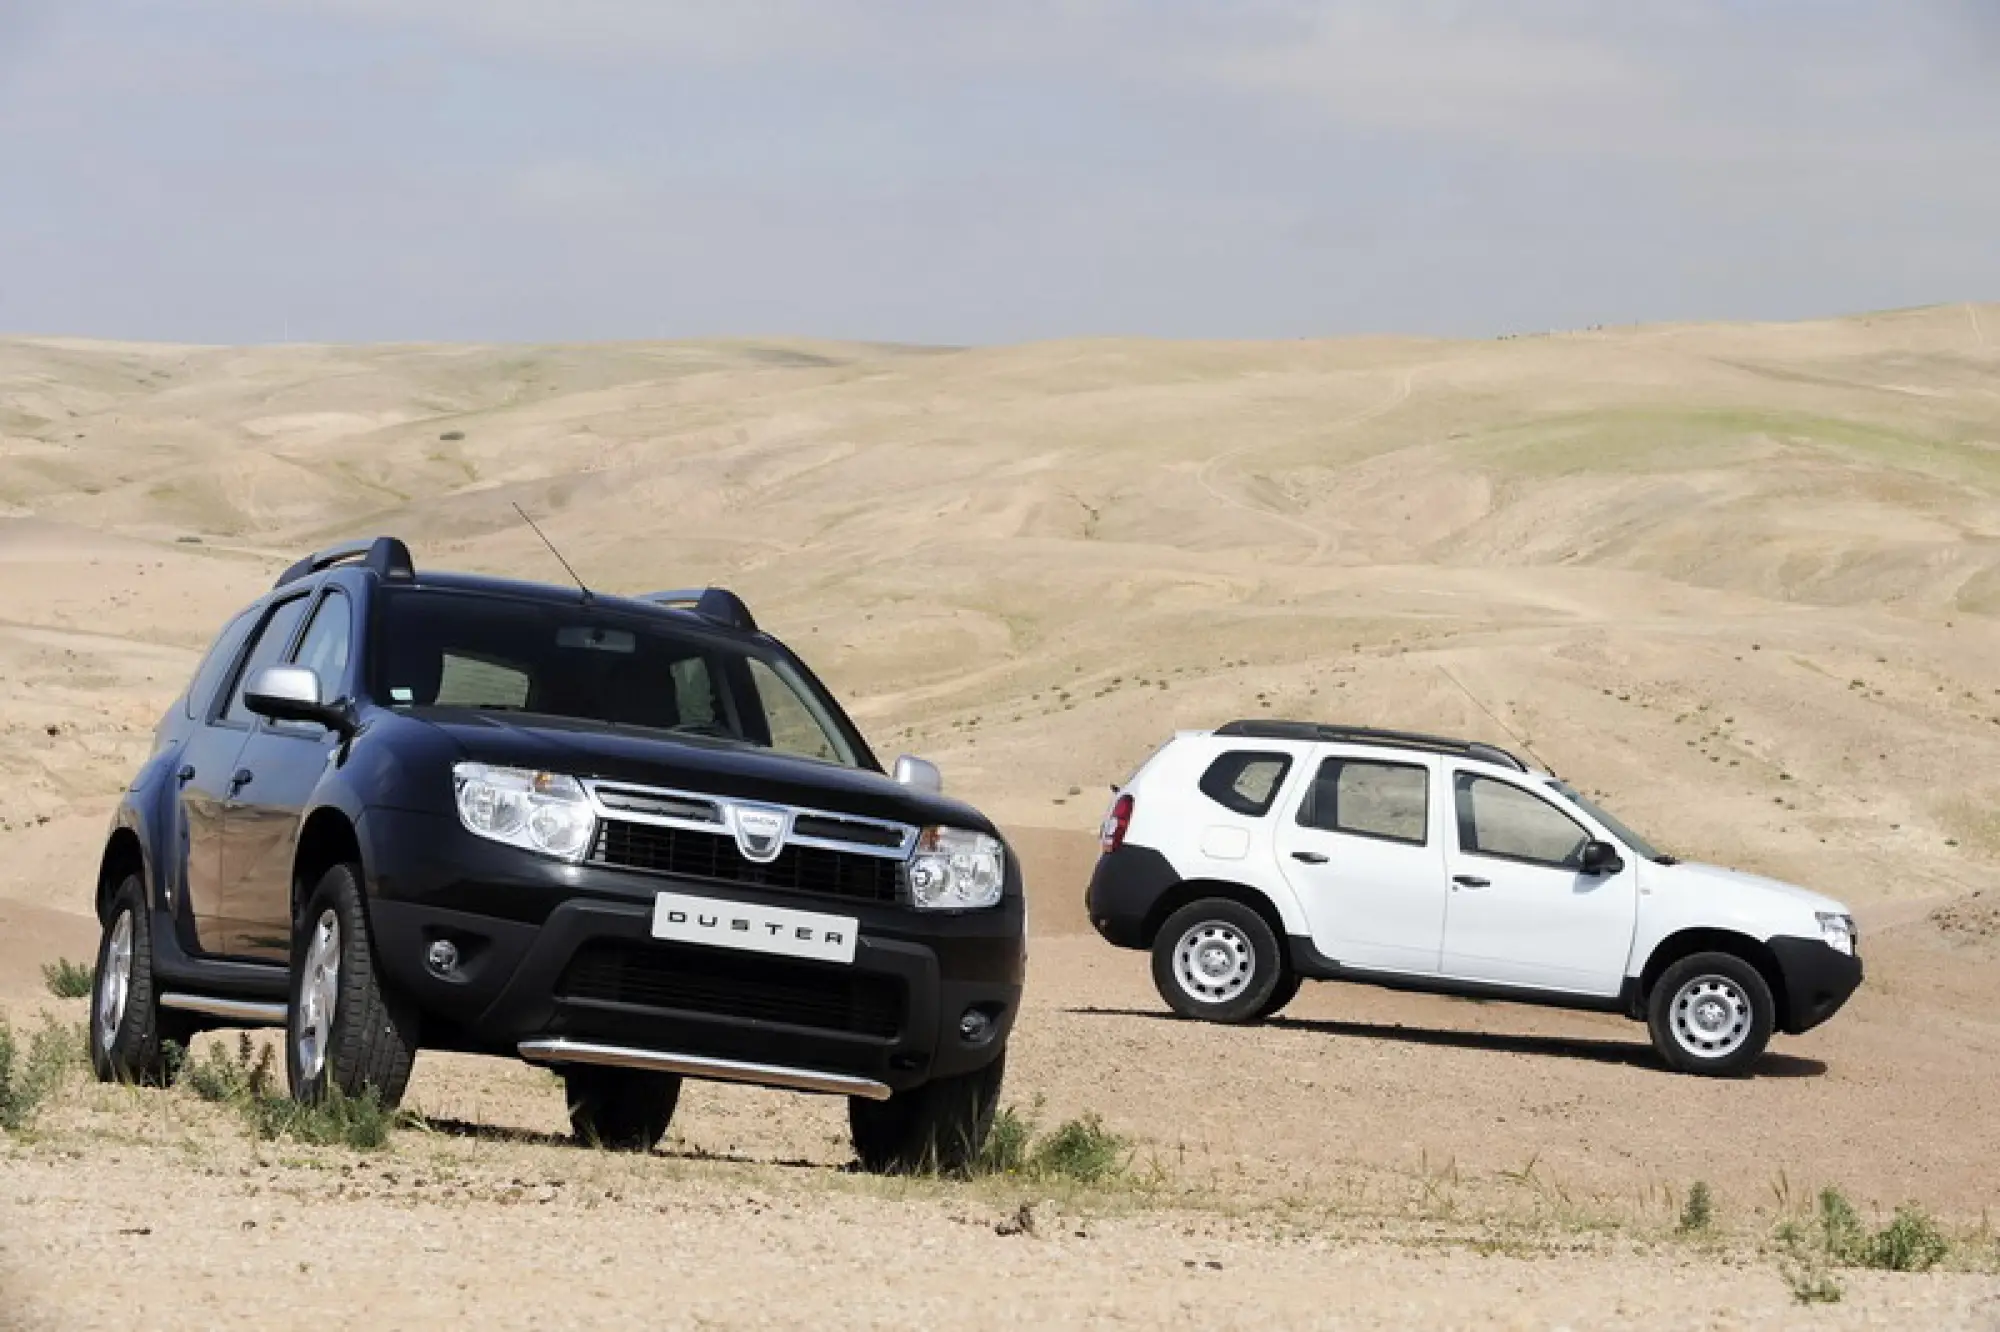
{"x":975,"y":1026}
{"x":444,"y":957}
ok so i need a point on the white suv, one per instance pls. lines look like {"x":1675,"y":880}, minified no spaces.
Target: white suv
{"x":1261,"y":854}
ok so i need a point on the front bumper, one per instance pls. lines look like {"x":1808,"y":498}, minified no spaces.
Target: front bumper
{"x":1818,"y":980}
{"x":550,"y":951}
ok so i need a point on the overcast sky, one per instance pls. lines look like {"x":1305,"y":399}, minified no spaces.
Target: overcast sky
{"x":950,"y":171}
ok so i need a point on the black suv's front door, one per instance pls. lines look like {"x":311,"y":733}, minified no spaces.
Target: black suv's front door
{"x":280,"y":766}
{"x":219,"y":779}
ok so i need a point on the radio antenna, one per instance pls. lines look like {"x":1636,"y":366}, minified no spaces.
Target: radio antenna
{"x":1511,"y":733}
{"x":587,"y":598}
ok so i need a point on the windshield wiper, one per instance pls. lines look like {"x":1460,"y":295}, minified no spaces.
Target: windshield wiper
{"x":1664,"y":859}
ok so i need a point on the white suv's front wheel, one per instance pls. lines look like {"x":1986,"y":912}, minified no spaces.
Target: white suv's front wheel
{"x":1711,"y":1014}
{"x":1218,"y":960}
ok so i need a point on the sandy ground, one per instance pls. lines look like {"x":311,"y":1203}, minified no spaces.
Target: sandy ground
{"x":1741,"y":580}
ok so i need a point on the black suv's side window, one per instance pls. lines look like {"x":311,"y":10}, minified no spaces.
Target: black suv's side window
{"x":1500,"y":819}
{"x":221,"y":656}
{"x":324,"y":648}
{"x":1390,"y":801}
{"x":1246,"y":781}
{"x":272,"y":640}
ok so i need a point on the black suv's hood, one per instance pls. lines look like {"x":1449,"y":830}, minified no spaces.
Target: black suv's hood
{"x":651,"y":758}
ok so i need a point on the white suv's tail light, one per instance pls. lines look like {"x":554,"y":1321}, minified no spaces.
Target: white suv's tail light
{"x":1111,"y":833}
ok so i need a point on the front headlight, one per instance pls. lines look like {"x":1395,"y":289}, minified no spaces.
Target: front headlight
{"x":955,"y":869}
{"x":536,"y":811}
{"x":1837,"y":928}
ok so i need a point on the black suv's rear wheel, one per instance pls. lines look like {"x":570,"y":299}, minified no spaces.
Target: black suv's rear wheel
{"x":623,"y":1109}
{"x":344,"y":1030}
{"x":129,"y":1032}
{"x":1218,"y":960}
{"x":940,"y":1126}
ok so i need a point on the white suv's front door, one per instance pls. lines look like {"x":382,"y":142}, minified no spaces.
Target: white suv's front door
{"x":1521,"y":911}
{"x":1363,"y":850}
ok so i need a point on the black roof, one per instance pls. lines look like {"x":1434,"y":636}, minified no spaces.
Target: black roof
{"x":1367,"y":735}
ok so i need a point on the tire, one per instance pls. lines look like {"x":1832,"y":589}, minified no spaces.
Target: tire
{"x":939,"y":1127}
{"x":129,"y":1032}
{"x":344,"y":1029}
{"x":1711,"y":1014}
{"x":1219,"y":961}
{"x":1287,"y":990}
{"x":620,"y":1109}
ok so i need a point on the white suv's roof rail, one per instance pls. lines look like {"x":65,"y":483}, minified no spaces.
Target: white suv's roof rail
{"x":1366,"y":735}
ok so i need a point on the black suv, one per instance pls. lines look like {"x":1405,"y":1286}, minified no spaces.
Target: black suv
{"x":631,"y":839}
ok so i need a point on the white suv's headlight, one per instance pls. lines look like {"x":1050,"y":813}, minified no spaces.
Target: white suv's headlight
{"x":536,"y":811}
{"x":955,"y":869}
{"x":1837,"y":928}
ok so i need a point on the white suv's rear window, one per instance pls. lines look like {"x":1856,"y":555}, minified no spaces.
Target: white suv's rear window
{"x":1246,"y":781}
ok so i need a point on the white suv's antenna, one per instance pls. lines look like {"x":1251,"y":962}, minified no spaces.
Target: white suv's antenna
{"x":1511,"y":734}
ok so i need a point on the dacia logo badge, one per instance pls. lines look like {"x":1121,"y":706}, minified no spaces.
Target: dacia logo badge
{"x":760,"y":831}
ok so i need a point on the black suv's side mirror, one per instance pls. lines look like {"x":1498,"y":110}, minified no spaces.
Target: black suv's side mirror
{"x":291,"y":693}
{"x":1601,"y":858}
{"x":919,"y":774}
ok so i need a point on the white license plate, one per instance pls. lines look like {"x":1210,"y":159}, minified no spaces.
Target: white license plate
{"x":754,"y":929}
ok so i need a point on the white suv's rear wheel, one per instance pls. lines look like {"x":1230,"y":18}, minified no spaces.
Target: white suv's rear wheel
{"x":1217,"y":960}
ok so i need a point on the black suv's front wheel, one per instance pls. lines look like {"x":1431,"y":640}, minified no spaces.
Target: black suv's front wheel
{"x":940,"y":1126}
{"x":344,"y":1030}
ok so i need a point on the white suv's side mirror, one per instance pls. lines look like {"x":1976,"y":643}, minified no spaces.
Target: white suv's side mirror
{"x":919,"y":774}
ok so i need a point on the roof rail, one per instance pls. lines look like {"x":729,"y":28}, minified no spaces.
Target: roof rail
{"x":718,"y":604}
{"x":384,"y":556}
{"x":1366,"y":735}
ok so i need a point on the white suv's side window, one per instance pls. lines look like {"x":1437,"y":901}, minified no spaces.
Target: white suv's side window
{"x":1369,"y":799}
{"x":1246,"y":781}
{"x":1497,"y":818}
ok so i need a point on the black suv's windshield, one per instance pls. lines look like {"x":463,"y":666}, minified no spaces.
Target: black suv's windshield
{"x":1618,"y":830}
{"x":447,"y":649}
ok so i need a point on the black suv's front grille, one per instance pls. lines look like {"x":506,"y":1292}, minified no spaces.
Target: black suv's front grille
{"x":699,"y":855}
{"x":744,"y":985}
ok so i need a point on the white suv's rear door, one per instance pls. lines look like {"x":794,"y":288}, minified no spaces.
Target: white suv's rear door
{"x":1361,"y":845}
{"x":1521,"y":910}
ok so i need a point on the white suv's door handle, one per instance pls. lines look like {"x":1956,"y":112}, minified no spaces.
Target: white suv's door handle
{"x":1309,"y":857}
{"x":1470,"y":881}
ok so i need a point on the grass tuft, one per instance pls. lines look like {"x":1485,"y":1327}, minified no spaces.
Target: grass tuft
{"x":1811,"y":1284}
{"x":1080,"y":1150}
{"x":1911,"y":1242}
{"x":246,"y":1080}
{"x":67,"y":979}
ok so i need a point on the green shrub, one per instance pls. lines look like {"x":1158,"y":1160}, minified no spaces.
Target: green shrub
{"x":1911,"y":1242}
{"x":1842,"y":1234}
{"x":1006,"y":1149}
{"x":28,"y":1079}
{"x":67,"y":979}
{"x":1698,"y":1212}
{"x":1082,"y":1150}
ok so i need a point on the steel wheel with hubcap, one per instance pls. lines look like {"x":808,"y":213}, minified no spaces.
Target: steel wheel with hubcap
{"x":1218,"y":960}
{"x":129,"y":1034}
{"x":344,"y":1029}
{"x":1711,"y":1013}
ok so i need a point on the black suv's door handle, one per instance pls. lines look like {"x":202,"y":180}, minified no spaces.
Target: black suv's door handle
{"x":240,"y":779}
{"x":1470,"y":881}
{"x":1309,"y":857}
{"x":185,"y":775}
